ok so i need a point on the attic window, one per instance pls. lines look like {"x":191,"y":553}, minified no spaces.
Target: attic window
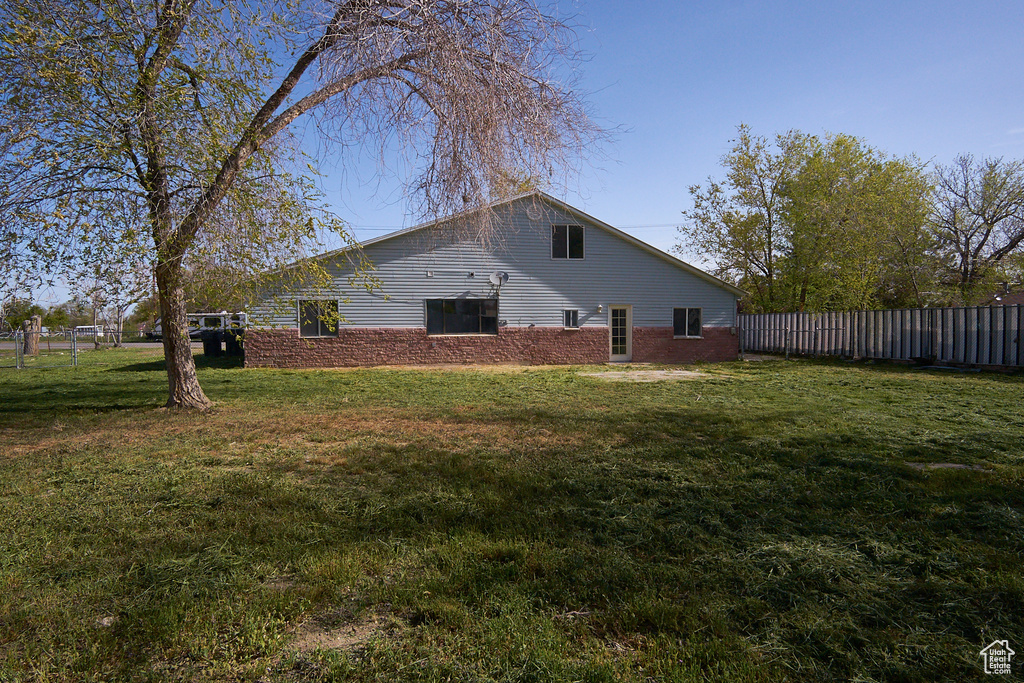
{"x":567,"y":241}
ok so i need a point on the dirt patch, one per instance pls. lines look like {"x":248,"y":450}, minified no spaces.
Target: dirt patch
{"x":279,"y":583}
{"x":115,"y":435}
{"x":944,"y":466}
{"x":95,"y":439}
{"x":328,"y":433}
{"x":445,"y":367}
{"x":337,"y":631}
{"x":335,"y":435}
{"x":646,"y":375}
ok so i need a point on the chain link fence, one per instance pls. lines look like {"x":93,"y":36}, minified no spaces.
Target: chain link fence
{"x":41,"y":351}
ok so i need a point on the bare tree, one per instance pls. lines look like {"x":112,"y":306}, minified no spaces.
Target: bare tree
{"x":111,"y":289}
{"x":183,"y":107}
{"x":977,"y":218}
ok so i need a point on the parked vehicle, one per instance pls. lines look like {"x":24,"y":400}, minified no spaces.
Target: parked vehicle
{"x":202,"y":322}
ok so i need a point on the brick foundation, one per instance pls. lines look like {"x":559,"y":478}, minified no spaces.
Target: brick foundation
{"x":656,"y":345}
{"x":355,"y":347}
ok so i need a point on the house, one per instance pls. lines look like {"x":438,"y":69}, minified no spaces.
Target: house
{"x":553,"y":286}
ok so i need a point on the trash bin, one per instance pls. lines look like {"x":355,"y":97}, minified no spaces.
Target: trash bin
{"x":211,"y":343}
{"x":233,"y":342}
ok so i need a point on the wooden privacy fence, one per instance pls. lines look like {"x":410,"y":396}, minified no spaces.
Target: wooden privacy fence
{"x":977,"y":335}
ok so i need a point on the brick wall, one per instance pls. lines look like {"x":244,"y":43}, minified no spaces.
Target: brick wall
{"x":539,"y":345}
{"x":656,"y":345}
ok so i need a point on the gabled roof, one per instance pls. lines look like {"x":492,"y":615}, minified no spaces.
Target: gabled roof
{"x":543,"y":196}
{"x":683,"y":265}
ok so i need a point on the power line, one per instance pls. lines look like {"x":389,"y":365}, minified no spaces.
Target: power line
{"x":390,"y":228}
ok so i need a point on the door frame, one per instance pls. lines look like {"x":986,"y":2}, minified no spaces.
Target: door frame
{"x":628,"y":356}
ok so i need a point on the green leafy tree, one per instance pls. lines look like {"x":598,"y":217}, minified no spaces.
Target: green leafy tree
{"x":18,"y":310}
{"x":145,"y":312}
{"x":67,"y":315}
{"x":806,"y":224}
{"x":177,"y":114}
{"x":855,"y":220}
{"x":57,"y":318}
{"x":1012,"y":269}
{"x":738,"y":223}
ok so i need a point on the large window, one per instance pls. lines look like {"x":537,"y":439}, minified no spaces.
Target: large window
{"x":686,"y":322}
{"x":318,"y":318}
{"x":462,"y":316}
{"x":567,"y":241}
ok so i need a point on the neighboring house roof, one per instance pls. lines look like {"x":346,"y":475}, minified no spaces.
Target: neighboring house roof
{"x":682,"y":265}
{"x":1011,"y":299}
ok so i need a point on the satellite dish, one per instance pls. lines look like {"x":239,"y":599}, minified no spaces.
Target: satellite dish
{"x":498,"y":278}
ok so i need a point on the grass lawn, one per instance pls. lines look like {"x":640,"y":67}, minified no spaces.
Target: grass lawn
{"x":759,"y":522}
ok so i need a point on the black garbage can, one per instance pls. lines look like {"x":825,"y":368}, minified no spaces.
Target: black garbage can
{"x":233,"y":342}
{"x":211,"y":343}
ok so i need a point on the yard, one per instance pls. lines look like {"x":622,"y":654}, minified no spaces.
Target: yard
{"x":748,"y":522}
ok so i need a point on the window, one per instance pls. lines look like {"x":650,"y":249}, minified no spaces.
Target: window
{"x":462,"y":316}
{"x":567,"y":241}
{"x":318,"y":318}
{"x":686,"y":322}
{"x":571,"y":318}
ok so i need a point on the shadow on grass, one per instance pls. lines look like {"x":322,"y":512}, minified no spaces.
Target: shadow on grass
{"x":202,"y":362}
{"x":1005,"y":373}
{"x":100,"y":389}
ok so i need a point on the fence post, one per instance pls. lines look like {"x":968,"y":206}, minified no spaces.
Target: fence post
{"x":739,"y":330}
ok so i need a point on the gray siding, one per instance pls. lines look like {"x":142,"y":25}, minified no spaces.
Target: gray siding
{"x":613,"y":272}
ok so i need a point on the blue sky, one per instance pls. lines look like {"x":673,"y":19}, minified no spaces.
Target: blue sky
{"x":933,"y":79}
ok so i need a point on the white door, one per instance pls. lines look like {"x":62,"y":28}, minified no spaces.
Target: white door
{"x":620,"y":322}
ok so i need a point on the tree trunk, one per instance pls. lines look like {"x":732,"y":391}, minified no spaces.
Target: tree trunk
{"x":32,"y":329}
{"x":118,"y":324}
{"x":185,"y":391}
